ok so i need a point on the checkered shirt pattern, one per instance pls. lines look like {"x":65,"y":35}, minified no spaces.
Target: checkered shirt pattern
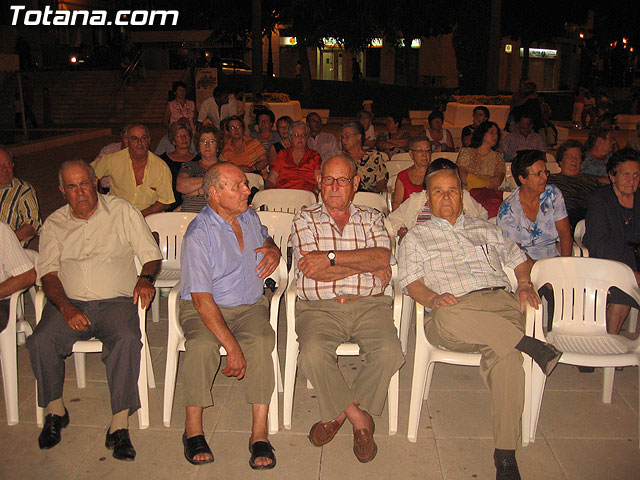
{"x":314,"y":230}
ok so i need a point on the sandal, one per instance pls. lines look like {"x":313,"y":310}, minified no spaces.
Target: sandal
{"x":261,"y":450}
{"x":194,"y":446}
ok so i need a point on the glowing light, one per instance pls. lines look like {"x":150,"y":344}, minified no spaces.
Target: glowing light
{"x":508,"y":48}
{"x":624,"y":40}
{"x":581,"y":35}
{"x":73,"y":59}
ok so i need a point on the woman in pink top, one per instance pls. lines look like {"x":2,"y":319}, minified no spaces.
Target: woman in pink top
{"x":410,"y":180}
{"x":180,"y":107}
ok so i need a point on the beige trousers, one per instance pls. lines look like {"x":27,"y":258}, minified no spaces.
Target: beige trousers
{"x":488,"y":322}
{"x":322,"y":325}
{"x":251,"y":328}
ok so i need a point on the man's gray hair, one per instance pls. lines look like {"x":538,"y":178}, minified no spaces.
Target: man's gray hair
{"x":133,"y":125}
{"x":5,"y":149}
{"x":299,"y":125}
{"x":213,"y":177}
{"x":344,"y":157}
{"x":74,"y":163}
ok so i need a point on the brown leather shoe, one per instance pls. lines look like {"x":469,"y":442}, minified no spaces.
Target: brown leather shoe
{"x":364,"y":447}
{"x":322,"y":433}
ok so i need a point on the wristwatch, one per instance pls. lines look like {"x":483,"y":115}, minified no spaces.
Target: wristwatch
{"x":151,"y":278}
{"x":332,"y":258}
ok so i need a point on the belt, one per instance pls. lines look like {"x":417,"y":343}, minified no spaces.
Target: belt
{"x":349,"y":299}
{"x":488,"y":289}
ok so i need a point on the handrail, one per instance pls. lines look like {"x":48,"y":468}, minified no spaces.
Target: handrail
{"x":127,"y":73}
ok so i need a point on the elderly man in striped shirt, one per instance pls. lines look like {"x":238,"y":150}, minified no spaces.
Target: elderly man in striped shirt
{"x":453,"y":264}
{"x":342,"y":254}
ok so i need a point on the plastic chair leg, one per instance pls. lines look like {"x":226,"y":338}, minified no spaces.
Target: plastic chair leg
{"x":290,"y":367}
{"x":405,"y":324}
{"x":392,"y":401}
{"x":417,"y":391}
{"x":10,"y":371}
{"x":151,"y":379}
{"x":155,"y":307}
{"x":80,"y":360}
{"x":273,"y":405}
{"x":607,"y":384}
{"x":143,"y":392}
{"x":170,"y":373}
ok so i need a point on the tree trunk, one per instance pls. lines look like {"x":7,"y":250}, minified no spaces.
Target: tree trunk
{"x":524,"y":73}
{"x":304,"y":63}
{"x":494,"y":48}
{"x":256,"y":46}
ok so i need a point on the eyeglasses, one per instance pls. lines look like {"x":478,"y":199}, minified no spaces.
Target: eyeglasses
{"x":144,"y":138}
{"x":546,"y":173}
{"x":299,"y":135}
{"x":235,"y":127}
{"x":208,"y":142}
{"x":342,"y":181}
{"x":420,"y":151}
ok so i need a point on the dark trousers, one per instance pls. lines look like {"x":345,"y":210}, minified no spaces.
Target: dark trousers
{"x":115,"y":323}
{"x":4,"y":314}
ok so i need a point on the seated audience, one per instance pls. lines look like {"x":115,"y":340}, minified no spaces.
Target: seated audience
{"x":16,"y":270}
{"x":481,"y":165}
{"x":265,"y":134}
{"x":613,"y":227}
{"x":241,"y":150}
{"x":480,"y":114}
{"x":86,"y":265}
{"x":440,"y":138}
{"x":366,"y":119}
{"x":370,"y":165}
{"x":534,"y":216}
{"x":18,"y":202}
{"x":189,"y":180}
{"x":597,"y":150}
{"x":522,"y":137}
{"x":297,"y":166}
{"x":180,"y":135}
{"x":282,"y":126}
{"x":576,"y":187}
{"x":454,"y":264}
{"x":635,"y":141}
{"x":416,"y":208}
{"x":324,"y":143}
{"x":226,"y":256}
{"x":115,"y":146}
{"x":179,"y":107}
{"x":137,"y":175}
{"x":217,"y":107}
{"x":394,"y":140}
{"x":165,"y":145}
{"x":410,"y":180}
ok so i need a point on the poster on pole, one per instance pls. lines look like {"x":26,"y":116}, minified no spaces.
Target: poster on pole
{"x":206,"y":81}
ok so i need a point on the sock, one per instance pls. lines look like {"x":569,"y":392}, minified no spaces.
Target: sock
{"x":119,"y":420}
{"x":56,"y":407}
{"x":498,"y":453}
{"x":544,"y":354}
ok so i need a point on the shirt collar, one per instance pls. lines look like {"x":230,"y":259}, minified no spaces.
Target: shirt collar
{"x":442,"y":223}
{"x":103,"y":207}
{"x":211,"y":214}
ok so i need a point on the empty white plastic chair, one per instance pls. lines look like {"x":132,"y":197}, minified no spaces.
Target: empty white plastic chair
{"x":373,"y":200}
{"x":580,"y":287}
{"x":283,"y":200}
{"x":176,"y":344}
{"x":453,"y":156}
{"x":279,"y":226}
{"x":255,"y":180}
{"x":394,"y":167}
{"x":82,"y":347}
{"x":170,"y":227}
{"x":404,"y":156}
{"x":348,"y":349}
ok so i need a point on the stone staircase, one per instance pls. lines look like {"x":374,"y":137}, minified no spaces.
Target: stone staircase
{"x":83,"y":98}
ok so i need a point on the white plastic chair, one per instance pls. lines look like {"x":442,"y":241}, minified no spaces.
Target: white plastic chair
{"x":82,"y":347}
{"x":347,"y":349}
{"x":396,"y":166}
{"x":176,"y":344}
{"x":279,"y":226}
{"x":283,"y":200}
{"x":401,"y":157}
{"x":579,"y":250}
{"x":170,"y":227}
{"x":255,"y":180}
{"x":580,"y":287}
{"x":373,"y":200}
{"x":453,"y":156}
{"x":427,"y":355}
{"x":8,"y":356}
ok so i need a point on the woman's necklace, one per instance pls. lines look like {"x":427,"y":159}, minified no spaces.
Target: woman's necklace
{"x":627,"y":220}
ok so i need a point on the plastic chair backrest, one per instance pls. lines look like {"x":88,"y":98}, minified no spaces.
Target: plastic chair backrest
{"x":453,"y":156}
{"x":404,"y":156}
{"x":279,"y":226}
{"x":373,"y":200}
{"x":580,"y":287}
{"x":396,"y":166}
{"x":578,"y":233}
{"x":170,"y":227}
{"x":255,"y":180}
{"x":283,"y":200}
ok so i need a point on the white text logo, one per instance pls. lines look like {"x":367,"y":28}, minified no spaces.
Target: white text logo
{"x":92,"y":17}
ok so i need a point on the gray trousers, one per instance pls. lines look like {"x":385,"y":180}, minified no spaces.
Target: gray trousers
{"x":251,"y":328}
{"x":488,"y":322}
{"x":322,"y":325}
{"x":115,"y":323}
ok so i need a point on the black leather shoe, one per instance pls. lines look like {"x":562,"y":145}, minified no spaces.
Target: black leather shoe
{"x":50,"y":434}
{"x":506,"y":465}
{"x":120,"y":443}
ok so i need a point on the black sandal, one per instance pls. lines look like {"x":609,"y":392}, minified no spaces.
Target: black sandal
{"x":195,"y":446}
{"x":261,"y":450}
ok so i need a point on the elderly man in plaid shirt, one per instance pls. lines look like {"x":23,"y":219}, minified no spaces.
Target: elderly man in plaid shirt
{"x":342,"y":254}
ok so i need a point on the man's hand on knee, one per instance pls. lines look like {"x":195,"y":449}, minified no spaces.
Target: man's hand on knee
{"x":236,"y":364}
{"x":75,"y":318}
{"x":442,"y":300}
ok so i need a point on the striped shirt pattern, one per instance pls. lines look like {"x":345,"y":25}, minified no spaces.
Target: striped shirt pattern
{"x":314,"y":230}
{"x":19,"y":205}
{"x":459,"y":258}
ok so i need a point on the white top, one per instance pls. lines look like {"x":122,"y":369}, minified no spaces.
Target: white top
{"x":13,"y":259}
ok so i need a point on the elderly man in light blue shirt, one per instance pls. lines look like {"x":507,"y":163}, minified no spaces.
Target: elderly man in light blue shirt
{"x":226,"y":255}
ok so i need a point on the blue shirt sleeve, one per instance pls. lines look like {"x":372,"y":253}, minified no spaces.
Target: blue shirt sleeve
{"x":196,"y":270}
